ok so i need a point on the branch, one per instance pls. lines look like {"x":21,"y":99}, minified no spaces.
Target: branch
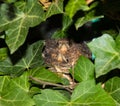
{"x":67,"y":87}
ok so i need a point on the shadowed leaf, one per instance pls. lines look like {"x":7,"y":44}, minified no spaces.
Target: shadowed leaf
{"x":27,"y":15}
{"x":23,"y":60}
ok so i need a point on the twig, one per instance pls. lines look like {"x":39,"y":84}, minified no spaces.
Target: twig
{"x":51,"y":84}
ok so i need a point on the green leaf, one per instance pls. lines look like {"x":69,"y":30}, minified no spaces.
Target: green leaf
{"x":85,"y":94}
{"x":59,"y":34}
{"x":67,"y":21}
{"x":17,"y":28}
{"x":88,"y":94}
{"x":74,"y":5}
{"x":62,"y":33}
{"x":14,"y":92}
{"x":106,"y":52}
{"x":29,"y":15}
{"x":34,"y":90}
{"x":55,"y":8}
{"x":23,"y":59}
{"x":112,"y":86}
{"x":45,"y":75}
{"x":111,"y":32}
{"x":10,"y":1}
{"x":3,"y":53}
{"x":118,"y":42}
{"x":90,"y":15}
{"x":84,"y":69}
{"x":50,"y":98}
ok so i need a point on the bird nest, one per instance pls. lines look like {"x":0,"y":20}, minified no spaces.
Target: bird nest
{"x":61,"y":55}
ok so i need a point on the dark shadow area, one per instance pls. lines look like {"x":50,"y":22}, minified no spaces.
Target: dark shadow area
{"x":108,"y":76}
{"x":1,"y":1}
{"x":90,"y":30}
{"x":64,"y":4}
{"x":2,"y":43}
{"x":21,"y":52}
{"x":40,"y":32}
{"x":97,"y":11}
{"x":11,"y":11}
{"x":8,"y":10}
{"x":45,"y":29}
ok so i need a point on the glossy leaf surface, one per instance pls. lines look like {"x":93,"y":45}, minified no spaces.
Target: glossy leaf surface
{"x":45,"y":75}
{"x":30,"y":15}
{"x":24,"y":59}
{"x":107,"y":54}
{"x":74,"y":5}
{"x":14,"y":92}
{"x":84,"y":69}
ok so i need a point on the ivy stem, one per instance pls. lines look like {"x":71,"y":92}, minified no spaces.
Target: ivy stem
{"x":44,"y":83}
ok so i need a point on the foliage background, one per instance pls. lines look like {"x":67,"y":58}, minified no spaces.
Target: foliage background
{"x":22,"y":66}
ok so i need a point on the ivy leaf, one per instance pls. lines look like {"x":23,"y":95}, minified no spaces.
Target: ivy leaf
{"x":50,"y":98}
{"x":14,"y":92}
{"x":89,"y":15}
{"x":30,"y":15}
{"x":118,"y":41}
{"x":112,"y":86}
{"x":67,"y":21}
{"x":74,"y":5}
{"x":23,"y":59}
{"x":9,"y":1}
{"x":61,"y":33}
{"x":55,"y":8}
{"x":17,"y":28}
{"x":84,"y":69}
{"x":34,"y":90}
{"x":3,"y":53}
{"x":111,"y":32}
{"x":88,"y":94}
{"x":45,"y":75}
{"x":106,"y":52}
